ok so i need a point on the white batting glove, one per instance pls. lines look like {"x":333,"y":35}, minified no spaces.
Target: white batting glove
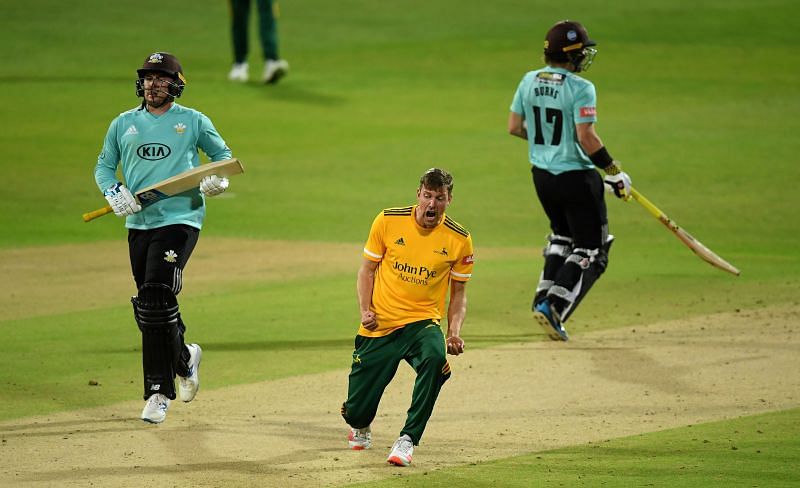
{"x":617,"y":182}
{"x":213,"y":185}
{"x":121,"y":200}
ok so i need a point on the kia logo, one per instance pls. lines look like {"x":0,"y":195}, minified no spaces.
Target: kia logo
{"x":153,"y":151}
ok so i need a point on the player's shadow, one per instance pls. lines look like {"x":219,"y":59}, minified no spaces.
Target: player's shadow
{"x":297,"y":93}
{"x":72,"y":428}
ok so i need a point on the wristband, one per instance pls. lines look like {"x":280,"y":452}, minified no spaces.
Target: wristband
{"x":601,"y":158}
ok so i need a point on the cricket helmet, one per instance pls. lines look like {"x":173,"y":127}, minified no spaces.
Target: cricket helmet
{"x":166,"y":63}
{"x":568,"y":42}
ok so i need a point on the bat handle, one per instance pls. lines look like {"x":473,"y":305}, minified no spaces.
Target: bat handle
{"x":647,"y":204}
{"x":97,"y":213}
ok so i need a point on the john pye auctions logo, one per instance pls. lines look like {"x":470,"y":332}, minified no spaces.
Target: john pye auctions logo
{"x":414,"y":274}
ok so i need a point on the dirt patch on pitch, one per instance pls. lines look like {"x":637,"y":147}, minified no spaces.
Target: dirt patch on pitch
{"x":501,"y":402}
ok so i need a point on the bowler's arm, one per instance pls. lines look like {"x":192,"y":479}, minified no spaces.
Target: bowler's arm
{"x":456,"y":313}
{"x":364,"y":284}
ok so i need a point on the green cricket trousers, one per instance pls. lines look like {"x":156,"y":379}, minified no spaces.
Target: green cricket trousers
{"x":267,"y":28}
{"x":375,"y":362}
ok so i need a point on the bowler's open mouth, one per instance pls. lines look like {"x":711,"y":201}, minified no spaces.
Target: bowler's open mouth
{"x":430,"y":213}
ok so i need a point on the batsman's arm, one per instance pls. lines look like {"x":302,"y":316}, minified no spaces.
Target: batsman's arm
{"x":107,"y":161}
{"x":587,"y":137}
{"x":516,"y":116}
{"x":364,"y":284}
{"x":516,"y":125}
{"x":106,"y":168}
{"x":211,"y":142}
{"x":615,"y":180}
{"x":456,"y":312}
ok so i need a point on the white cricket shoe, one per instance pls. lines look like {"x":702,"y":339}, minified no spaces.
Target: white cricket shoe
{"x":239,"y":72}
{"x":275,"y":70}
{"x":402,"y":450}
{"x":155,"y":410}
{"x":360,"y":439}
{"x":188,"y":386}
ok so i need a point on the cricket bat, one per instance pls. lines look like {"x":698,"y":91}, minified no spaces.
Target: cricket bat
{"x":176,"y":184}
{"x":696,"y":246}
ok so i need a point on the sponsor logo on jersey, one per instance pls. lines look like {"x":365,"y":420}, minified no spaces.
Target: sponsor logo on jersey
{"x":550,"y":78}
{"x":417,"y":275}
{"x":131,"y":131}
{"x":547,"y":75}
{"x":153,"y":151}
{"x":588,"y":111}
{"x":468,"y":260}
{"x":180,"y":128}
{"x":400,"y":242}
{"x":443,"y":251}
{"x":170,"y":256}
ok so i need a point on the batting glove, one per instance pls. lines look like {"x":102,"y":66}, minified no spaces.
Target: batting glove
{"x":121,"y":200}
{"x":213,"y":185}
{"x":617,"y":182}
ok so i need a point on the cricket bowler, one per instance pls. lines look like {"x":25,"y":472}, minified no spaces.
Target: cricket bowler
{"x":412,"y":257}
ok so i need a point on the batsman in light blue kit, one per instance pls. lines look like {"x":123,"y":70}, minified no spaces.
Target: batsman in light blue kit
{"x":555,"y":110}
{"x":148,"y":144}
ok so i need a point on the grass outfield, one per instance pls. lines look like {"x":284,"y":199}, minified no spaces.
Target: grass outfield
{"x":748,"y":451}
{"x":695,"y":98}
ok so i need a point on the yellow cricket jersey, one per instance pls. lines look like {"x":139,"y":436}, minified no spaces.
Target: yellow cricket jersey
{"x":416,"y":266}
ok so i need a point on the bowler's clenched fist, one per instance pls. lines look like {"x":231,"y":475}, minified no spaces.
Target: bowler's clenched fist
{"x":368,"y":320}
{"x":455,"y":345}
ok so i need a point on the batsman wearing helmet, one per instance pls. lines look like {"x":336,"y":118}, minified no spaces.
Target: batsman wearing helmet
{"x":555,"y":110}
{"x":155,"y":141}
{"x":411,"y":258}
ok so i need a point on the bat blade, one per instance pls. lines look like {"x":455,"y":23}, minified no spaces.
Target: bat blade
{"x":176,"y":184}
{"x":688,"y":240}
{"x":187,"y":180}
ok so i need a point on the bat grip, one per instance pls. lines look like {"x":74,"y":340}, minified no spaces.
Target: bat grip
{"x":97,"y":213}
